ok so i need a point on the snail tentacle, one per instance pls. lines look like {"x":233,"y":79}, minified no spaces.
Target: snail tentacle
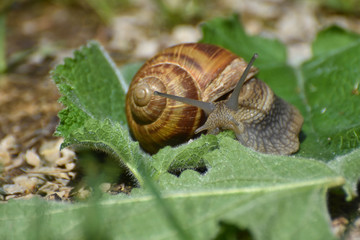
{"x":232,"y":102}
{"x":206,"y":106}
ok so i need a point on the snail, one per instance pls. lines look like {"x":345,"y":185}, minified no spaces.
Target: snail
{"x":171,"y":95}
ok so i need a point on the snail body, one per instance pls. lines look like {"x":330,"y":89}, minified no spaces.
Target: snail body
{"x":187,"y":79}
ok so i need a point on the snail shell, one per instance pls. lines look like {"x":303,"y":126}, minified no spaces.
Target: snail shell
{"x":197,"y":71}
{"x":165,"y":99}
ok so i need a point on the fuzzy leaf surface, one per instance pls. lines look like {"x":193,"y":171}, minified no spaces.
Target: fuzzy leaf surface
{"x":93,"y":92}
{"x":273,"y":198}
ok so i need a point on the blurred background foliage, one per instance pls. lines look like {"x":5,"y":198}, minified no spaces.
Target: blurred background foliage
{"x":171,"y":11}
{"x":166,"y":13}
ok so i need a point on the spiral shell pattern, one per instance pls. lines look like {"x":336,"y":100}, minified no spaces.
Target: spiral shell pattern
{"x":194,"y":70}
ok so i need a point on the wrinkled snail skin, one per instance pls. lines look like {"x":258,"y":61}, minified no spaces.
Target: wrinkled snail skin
{"x":269,"y":124}
{"x":207,"y":73}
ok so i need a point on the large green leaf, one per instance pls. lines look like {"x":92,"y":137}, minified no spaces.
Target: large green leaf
{"x":91,"y":82}
{"x":275,"y":198}
{"x":331,"y":80}
{"x":94,"y":94}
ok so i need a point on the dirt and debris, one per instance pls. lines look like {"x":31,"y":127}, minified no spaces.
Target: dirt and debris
{"x":43,"y":171}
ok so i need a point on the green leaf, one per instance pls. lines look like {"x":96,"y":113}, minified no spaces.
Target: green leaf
{"x":185,"y":156}
{"x":91,"y":83}
{"x":273,"y":197}
{"x":330,"y":84}
{"x":94,"y":94}
{"x":332,"y":40}
{"x":261,"y":192}
{"x":230,"y":34}
{"x":114,"y":139}
{"x":349,"y":167}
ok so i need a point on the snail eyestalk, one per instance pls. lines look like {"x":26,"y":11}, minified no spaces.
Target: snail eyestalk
{"x":206,"y":106}
{"x":232,"y":102}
